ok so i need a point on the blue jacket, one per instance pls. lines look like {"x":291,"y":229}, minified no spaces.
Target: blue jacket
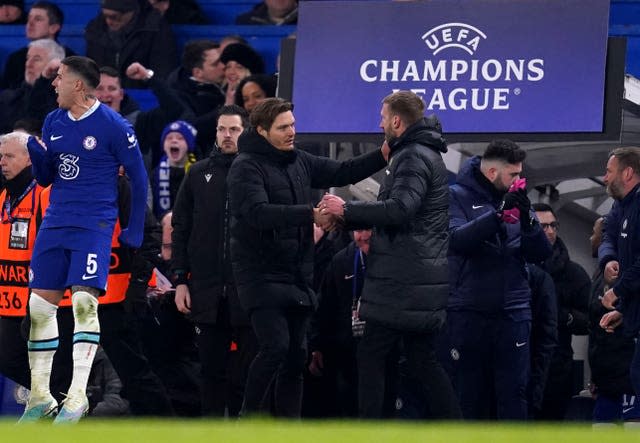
{"x":486,"y":256}
{"x":621,"y":242}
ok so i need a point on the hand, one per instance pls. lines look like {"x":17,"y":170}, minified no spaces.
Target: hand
{"x":183,"y":299}
{"x":331,"y":204}
{"x":523,"y":202}
{"x":136,"y":71}
{"x":509,"y":201}
{"x":326,"y":221}
{"x":51,"y":70}
{"x":386,"y":151}
{"x":608,"y":299}
{"x":317,"y":364}
{"x":611,"y":271}
{"x":230,"y":96}
{"x":36,"y":143}
{"x":610,"y":321}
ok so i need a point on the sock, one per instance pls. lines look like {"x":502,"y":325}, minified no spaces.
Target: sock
{"x":86,"y":338}
{"x":42,"y":345}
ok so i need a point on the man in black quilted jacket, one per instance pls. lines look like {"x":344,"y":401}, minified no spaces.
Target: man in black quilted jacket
{"x":406,"y":286}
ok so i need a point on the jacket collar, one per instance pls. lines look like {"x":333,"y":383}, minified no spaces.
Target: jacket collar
{"x":253,"y":143}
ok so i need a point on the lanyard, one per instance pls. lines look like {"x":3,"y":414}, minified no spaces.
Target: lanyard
{"x":6,"y":208}
{"x":358,"y":265}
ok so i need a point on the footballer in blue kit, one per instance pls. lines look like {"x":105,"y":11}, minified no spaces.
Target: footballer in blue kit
{"x":83,"y":144}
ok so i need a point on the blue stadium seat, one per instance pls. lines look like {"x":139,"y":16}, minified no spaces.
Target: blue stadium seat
{"x":224,"y":12}
{"x":145,"y":98}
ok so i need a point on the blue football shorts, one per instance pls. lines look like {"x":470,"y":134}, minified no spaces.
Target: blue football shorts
{"x":65,"y":257}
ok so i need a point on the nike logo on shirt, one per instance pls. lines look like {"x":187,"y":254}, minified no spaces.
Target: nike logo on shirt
{"x":88,"y":277}
{"x":56,"y":137}
{"x":476,"y":207}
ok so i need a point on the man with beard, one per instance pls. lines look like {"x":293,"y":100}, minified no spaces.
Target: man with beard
{"x":573,"y":288}
{"x":489,"y":312}
{"x":406,"y":286}
{"x":205,"y":288}
{"x":619,"y":253}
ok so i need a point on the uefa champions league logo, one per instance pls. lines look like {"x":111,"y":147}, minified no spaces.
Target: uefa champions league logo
{"x":453,"y":35}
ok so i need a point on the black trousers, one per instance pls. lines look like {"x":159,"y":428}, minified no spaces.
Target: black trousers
{"x":281,"y":335}
{"x":143,"y":389}
{"x":419,"y":349}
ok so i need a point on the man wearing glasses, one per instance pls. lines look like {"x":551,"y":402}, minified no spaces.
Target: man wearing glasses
{"x":573,"y":289}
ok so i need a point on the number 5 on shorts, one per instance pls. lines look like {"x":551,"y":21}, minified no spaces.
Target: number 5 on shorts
{"x":92,"y":264}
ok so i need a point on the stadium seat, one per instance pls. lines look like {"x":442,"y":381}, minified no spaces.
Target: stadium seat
{"x":144,"y":97}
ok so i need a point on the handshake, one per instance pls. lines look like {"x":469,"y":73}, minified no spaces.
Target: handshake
{"x":329,"y":213}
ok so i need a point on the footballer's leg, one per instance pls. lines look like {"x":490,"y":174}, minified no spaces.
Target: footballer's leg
{"x":46,"y":280}
{"x":87,"y":277}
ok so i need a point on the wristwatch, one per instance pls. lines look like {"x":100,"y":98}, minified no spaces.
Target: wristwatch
{"x":149,"y":74}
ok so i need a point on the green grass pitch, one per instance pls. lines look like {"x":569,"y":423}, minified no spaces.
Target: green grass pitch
{"x":249,"y":431}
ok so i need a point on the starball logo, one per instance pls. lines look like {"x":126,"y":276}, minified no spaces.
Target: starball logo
{"x":455,"y":77}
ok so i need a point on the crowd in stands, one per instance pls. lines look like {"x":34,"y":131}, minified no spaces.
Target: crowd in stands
{"x":506,"y":346}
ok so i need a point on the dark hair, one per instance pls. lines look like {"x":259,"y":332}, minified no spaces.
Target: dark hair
{"x":407,"y":105}
{"x":267,"y":83}
{"x":85,"y":68}
{"x":543,"y":207}
{"x":110,"y":71}
{"x":266,"y":112}
{"x":504,"y":150}
{"x":54,"y":13}
{"x":193,"y":53}
{"x":32,"y":126}
{"x":235,"y":38}
{"x":628,"y":157}
{"x":235,"y":110}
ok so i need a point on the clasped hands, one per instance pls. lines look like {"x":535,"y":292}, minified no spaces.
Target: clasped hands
{"x":329,"y":213}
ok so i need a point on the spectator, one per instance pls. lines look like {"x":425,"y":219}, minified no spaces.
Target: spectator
{"x":148,"y":124}
{"x":198,"y":83}
{"x":178,"y":141}
{"x":35,"y":97}
{"x":128,"y":31}
{"x":610,"y":355}
{"x":205,"y":289}
{"x":573,"y":288}
{"x":271,"y":12}
{"x":489,"y":313}
{"x":406,"y":288}
{"x":272,"y":246}
{"x":45,"y":21}
{"x":180,"y":12}
{"x":255,"y":89}
{"x":12,"y":12}
{"x":240,"y":61}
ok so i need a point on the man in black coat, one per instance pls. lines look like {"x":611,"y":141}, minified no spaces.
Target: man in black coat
{"x":573,"y":289}
{"x":272,"y":247}
{"x":205,"y":289}
{"x":406,"y":286}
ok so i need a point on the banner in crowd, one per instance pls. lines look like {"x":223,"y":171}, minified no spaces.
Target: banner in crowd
{"x":482,"y":66}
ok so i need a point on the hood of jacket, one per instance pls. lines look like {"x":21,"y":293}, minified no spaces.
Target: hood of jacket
{"x":421,"y":133}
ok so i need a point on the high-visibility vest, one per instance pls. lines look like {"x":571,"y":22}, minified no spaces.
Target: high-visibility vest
{"x":119,"y":267}
{"x":16,"y":250}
